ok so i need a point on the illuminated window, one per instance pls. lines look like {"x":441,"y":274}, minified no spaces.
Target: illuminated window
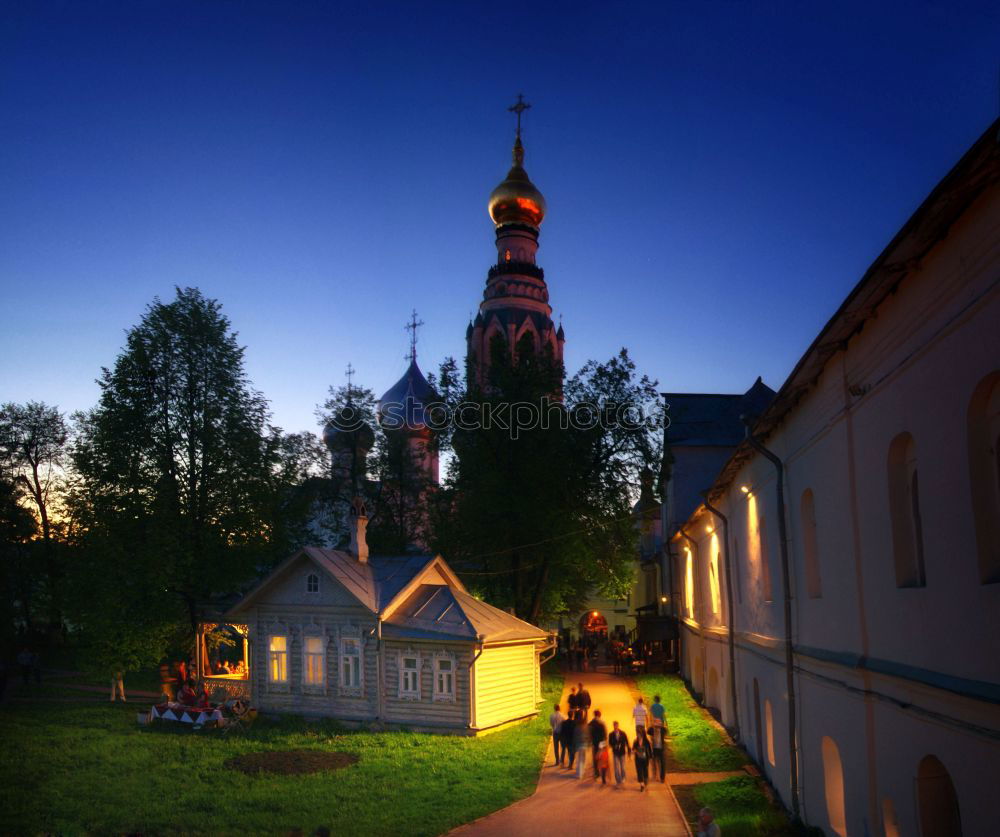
{"x":689,"y":583}
{"x":312,"y":583}
{"x":277,"y":658}
{"x":810,"y":544}
{"x":713,"y":575}
{"x":506,"y":256}
{"x":314,"y":654}
{"x":444,"y":678}
{"x":984,"y":471}
{"x":890,"y":823}
{"x":769,"y":724}
{"x":736,"y":568}
{"x":758,"y":737}
{"x":833,"y":782}
{"x":350,"y":663}
{"x":904,"y":510}
{"x":409,"y":676}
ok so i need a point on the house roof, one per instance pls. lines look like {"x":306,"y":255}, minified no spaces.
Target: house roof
{"x":435,"y":611}
{"x":977,"y":171}
{"x":440,"y":610}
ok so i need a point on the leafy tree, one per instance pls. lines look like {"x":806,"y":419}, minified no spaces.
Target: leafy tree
{"x":17,"y":581}
{"x":538,"y":519}
{"x":176,"y":460}
{"x":33,"y":449}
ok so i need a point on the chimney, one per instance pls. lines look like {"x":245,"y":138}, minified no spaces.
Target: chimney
{"x":358,"y":522}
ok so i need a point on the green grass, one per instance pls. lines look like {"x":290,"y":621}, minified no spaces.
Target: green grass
{"x":741,"y":809}
{"x":88,"y":768}
{"x":695,"y":743}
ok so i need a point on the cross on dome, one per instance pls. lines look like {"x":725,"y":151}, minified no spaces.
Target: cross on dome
{"x":519,"y":107}
{"x":412,"y":327}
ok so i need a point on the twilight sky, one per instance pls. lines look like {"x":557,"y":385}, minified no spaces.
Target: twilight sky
{"x":718,"y":175}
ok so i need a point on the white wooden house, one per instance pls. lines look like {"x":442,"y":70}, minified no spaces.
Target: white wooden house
{"x":398,"y":640}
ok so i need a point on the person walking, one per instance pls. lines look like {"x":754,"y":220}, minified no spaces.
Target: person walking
{"x":602,"y":761}
{"x":566,"y":735}
{"x":580,"y":743}
{"x":707,"y":827}
{"x":573,"y":700}
{"x":657,"y":738}
{"x":583,"y":700}
{"x":579,"y":654}
{"x":642,"y":751}
{"x":657,"y":711}
{"x":598,"y":736}
{"x":556,"y":720}
{"x":640,"y":715}
{"x":117,"y":686}
{"x":620,"y":750}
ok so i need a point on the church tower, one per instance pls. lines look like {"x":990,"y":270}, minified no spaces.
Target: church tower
{"x":515,"y":310}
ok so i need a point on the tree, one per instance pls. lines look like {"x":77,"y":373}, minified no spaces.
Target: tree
{"x":176,"y":460}
{"x":33,"y":448}
{"x":538,"y":517}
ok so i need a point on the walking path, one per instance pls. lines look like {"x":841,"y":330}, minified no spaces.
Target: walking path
{"x":564,"y":805}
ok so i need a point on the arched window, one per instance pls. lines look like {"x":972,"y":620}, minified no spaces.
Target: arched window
{"x":769,"y":723}
{"x":689,"y":582}
{"x":810,"y":544}
{"x":833,"y":782}
{"x":736,"y":568}
{"x":904,"y":509}
{"x":506,"y":255}
{"x":312,"y":583}
{"x":937,"y":801}
{"x":984,"y":471}
{"x":713,"y":575}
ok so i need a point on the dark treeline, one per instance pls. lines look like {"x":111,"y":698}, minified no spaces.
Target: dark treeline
{"x":119,"y":524}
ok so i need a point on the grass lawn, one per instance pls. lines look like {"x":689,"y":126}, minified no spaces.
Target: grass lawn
{"x":741,"y":809}
{"x":695,"y":744}
{"x":74,"y":768}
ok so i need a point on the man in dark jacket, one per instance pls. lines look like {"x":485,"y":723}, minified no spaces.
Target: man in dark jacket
{"x":620,"y":750}
{"x":582,"y":700}
{"x":598,"y":733}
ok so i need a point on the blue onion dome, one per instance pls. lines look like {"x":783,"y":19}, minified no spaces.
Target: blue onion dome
{"x":404,"y":405}
{"x":348,"y":431}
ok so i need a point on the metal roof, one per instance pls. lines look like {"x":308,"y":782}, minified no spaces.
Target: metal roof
{"x":711,"y":420}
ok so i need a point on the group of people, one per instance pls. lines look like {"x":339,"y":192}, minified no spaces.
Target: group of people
{"x":573,"y":735}
{"x":191,"y":695}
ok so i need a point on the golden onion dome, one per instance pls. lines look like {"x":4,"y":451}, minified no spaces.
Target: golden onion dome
{"x":516,"y":200}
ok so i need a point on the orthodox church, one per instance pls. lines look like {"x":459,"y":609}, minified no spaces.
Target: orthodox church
{"x":397,"y":639}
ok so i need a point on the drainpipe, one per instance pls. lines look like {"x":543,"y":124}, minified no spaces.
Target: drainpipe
{"x":472,"y":681}
{"x":378,"y":669}
{"x":732,"y":613}
{"x":793,"y":756}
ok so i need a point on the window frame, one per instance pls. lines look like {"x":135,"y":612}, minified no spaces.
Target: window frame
{"x":351,"y":689}
{"x":278,"y":632}
{"x":451,"y":695}
{"x":404,"y":691}
{"x":320,"y":685}
{"x":309,"y":579}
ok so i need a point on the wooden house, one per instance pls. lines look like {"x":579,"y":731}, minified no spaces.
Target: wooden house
{"x":396,"y":640}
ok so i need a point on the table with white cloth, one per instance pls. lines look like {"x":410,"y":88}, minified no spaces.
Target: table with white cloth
{"x":195,"y":715}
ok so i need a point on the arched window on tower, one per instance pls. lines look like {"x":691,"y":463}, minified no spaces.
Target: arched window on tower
{"x":506,"y":255}
{"x":904,"y":510}
{"x":984,"y":473}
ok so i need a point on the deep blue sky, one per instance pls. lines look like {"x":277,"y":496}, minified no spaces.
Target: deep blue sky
{"x":718,"y":175}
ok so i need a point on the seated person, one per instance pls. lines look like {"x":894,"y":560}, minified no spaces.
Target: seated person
{"x":187,"y":694}
{"x":203,"y":698}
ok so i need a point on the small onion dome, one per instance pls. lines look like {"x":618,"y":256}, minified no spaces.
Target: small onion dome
{"x":348,"y":431}
{"x":403,"y":405}
{"x":516,"y":200}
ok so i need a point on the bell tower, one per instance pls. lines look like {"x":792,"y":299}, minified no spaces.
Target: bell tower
{"x":515,"y":306}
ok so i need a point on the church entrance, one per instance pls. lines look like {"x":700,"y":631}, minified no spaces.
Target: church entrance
{"x":593,"y":626}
